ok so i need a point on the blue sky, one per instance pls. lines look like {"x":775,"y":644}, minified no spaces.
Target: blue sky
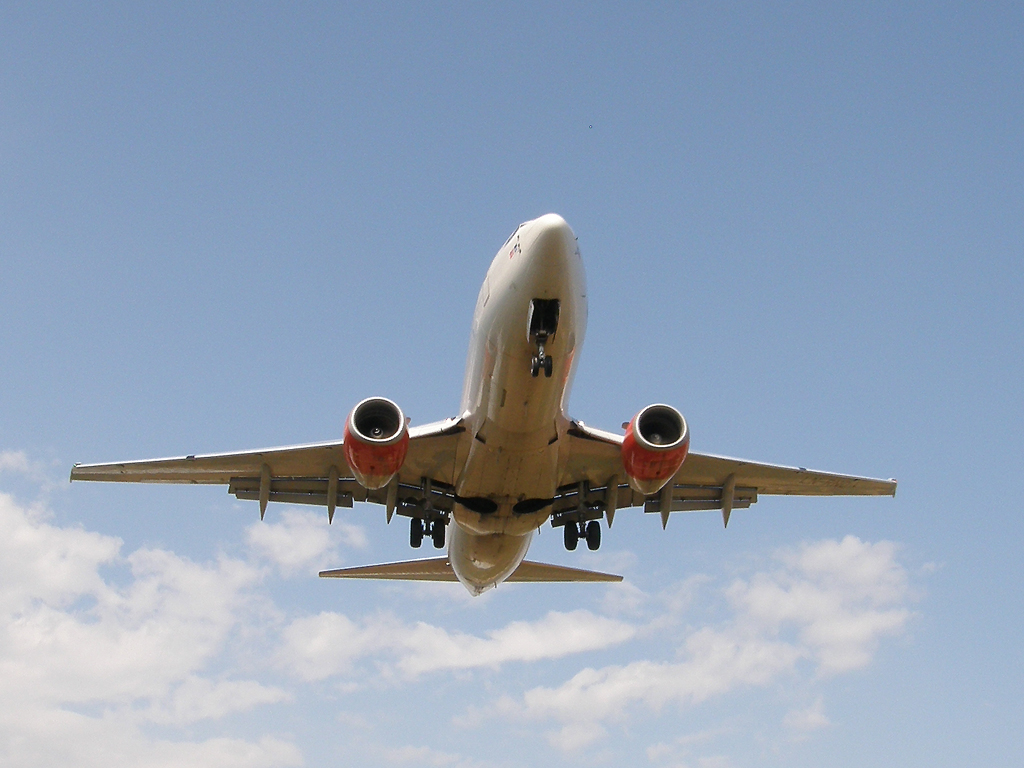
{"x":223,"y":226}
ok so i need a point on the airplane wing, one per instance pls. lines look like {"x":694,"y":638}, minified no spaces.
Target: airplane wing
{"x":440,"y":569}
{"x":305,"y":474}
{"x":313,"y":460}
{"x":704,"y":482}
{"x":707,"y":470}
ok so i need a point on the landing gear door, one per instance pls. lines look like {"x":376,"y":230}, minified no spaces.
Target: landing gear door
{"x":543,"y":319}
{"x":541,"y":325}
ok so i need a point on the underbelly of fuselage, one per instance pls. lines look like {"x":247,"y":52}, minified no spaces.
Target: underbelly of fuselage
{"x":532,"y":308}
{"x":514,"y":469}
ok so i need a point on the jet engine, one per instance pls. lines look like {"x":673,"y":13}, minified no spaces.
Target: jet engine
{"x":654,"y":448}
{"x":376,"y":441}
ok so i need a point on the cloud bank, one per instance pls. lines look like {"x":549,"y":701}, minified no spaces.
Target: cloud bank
{"x":112,"y":658}
{"x":827,"y":604}
{"x":86,"y":664}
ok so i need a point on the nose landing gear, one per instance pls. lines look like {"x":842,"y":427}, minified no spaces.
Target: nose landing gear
{"x":543,"y":322}
{"x":541,"y":361}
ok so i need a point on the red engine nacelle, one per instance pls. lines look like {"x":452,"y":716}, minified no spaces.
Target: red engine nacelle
{"x":654,"y":448}
{"x":376,"y":441}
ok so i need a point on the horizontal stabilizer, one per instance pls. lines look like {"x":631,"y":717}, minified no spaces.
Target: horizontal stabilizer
{"x":531,"y":571}
{"x":440,"y":569}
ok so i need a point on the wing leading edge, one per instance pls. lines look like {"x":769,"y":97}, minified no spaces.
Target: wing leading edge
{"x":313,"y":460}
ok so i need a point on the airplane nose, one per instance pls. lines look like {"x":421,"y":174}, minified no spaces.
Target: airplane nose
{"x":550,"y":232}
{"x":550,"y":243}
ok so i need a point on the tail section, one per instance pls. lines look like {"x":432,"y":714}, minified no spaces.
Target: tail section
{"x":440,"y":569}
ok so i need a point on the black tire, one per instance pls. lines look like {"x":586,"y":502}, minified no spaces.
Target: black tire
{"x":534,"y":367}
{"x":572,"y":536}
{"x":547,"y":367}
{"x":437,"y":534}
{"x":593,"y":535}
{"x":415,"y":533}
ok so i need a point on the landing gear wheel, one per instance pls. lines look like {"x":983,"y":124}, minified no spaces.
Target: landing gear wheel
{"x":547,"y":367}
{"x":593,"y":535}
{"x":415,"y":533}
{"x":535,"y":366}
{"x":437,"y":534}
{"x":572,"y":536}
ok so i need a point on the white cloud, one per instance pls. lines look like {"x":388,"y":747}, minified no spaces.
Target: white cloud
{"x":131,"y":654}
{"x":801,"y":721}
{"x":110,"y":658}
{"x":841,"y":596}
{"x":198,"y":698}
{"x":679,"y":749}
{"x":427,"y":648}
{"x":714,"y":761}
{"x":44,"y":737}
{"x":124,"y":643}
{"x":624,"y":599}
{"x":17,"y":462}
{"x":303,"y":541}
{"x":317,"y":647}
{"x":97,"y":646}
{"x":45,"y":563}
{"x":418,"y":756}
{"x":717,"y":663}
{"x":838,"y":598}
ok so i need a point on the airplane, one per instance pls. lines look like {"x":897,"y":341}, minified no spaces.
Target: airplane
{"x":486,"y":480}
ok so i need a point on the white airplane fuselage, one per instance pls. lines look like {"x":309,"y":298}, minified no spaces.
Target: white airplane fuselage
{"x":485,"y":481}
{"x":517,"y":420}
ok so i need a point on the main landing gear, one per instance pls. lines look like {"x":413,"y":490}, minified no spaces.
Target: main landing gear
{"x":590,"y":531}
{"x":417,"y":529}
